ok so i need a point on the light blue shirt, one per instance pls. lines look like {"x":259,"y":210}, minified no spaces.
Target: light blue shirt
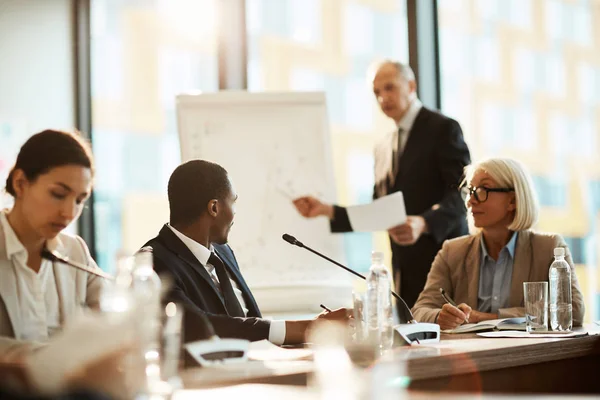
{"x":495,"y":277}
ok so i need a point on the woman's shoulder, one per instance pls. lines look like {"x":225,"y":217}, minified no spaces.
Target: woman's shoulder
{"x":456,"y":249}
{"x":543,"y":239}
{"x":460,"y":242}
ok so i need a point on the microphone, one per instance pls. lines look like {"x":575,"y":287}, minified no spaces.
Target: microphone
{"x":54,"y":256}
{"x":414,"y":330}
{"x":407,"y":318}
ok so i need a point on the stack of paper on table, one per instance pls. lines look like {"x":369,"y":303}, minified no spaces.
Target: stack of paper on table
{"x":511,"y":324}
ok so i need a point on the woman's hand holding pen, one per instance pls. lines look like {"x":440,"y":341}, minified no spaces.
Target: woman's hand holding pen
{"x":451,"y":317}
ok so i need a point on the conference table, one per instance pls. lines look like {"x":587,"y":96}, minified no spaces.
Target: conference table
{"x":262,"y":391}
{"x":464,"y":363}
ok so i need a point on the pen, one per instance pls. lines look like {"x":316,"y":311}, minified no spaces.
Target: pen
{"x":324,"y":308}
{"x":450,"y":301}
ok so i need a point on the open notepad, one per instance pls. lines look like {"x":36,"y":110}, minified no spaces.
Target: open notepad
{"x":503,"y":324}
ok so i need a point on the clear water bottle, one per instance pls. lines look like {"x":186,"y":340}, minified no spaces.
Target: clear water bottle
{"x":146,"y":288}
{"x":116,"y":298}
{"x":118,"y":304}
{"x":334,"y":376}
{"x":561,"y":308}
{"x":378,"y":310}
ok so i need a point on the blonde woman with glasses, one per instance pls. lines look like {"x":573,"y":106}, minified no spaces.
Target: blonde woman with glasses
{"x":484,"y":272}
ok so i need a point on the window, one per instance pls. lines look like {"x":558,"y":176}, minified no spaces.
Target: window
{"x":521,"y":79}
{"x":144,"y":53}
{"x":35,"y":76}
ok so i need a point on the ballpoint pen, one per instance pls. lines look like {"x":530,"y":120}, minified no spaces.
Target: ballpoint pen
{"x":324,"y":308}
{"x":450,"y":301}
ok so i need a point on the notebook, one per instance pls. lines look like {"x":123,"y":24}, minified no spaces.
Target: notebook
{"x":536,"y":335}
{"x":503,"y":324}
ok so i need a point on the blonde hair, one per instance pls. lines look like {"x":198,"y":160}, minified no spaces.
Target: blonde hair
{"x":511,"y":173}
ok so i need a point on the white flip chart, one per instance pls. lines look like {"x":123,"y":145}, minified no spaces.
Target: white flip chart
{"x":275,"y":146}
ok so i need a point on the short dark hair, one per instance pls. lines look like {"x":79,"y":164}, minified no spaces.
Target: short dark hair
{"x":50,"y":149}
{"x":191,"y":186}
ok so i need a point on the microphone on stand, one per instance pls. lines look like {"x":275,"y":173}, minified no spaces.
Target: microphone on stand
{"x":54,"y":256}
{"x":407,"y":318}
{"x":409,"y":327}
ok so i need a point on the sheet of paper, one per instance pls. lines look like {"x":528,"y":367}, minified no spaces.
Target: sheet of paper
{"x":263,"y":350}
{"x":380,"y":215}
{"x":521,"y":334}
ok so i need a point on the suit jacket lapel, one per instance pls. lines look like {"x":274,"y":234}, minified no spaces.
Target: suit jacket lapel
{"x":415,"y":138}
{"x":65,"y":278}
{"x":521,"y":267}
{"x":8,"y":287}
{"x":471,"y":267}
{"x":172,"y":242}
{"x":8,"y":293}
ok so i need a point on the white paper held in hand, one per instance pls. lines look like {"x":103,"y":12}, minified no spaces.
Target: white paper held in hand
{"x":379,"y":215}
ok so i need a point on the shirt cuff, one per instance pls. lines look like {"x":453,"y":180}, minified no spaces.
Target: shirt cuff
{"x":277,"y":332}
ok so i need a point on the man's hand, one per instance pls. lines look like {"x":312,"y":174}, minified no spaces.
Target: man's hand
{"x":450,"y":317}
{"x":310,"y":207}
{"x":295,"y":331}
{"x":410,"y":231}
{"x":341,"y":314}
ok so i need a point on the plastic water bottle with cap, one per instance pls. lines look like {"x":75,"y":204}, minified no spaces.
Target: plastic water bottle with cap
{"x":561,"y":308}
{"x":378,"y":313}
{"x":146,"y":287}
{"x":118,"y":304}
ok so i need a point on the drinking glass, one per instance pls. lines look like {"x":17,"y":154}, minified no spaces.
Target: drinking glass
{"x":360,"y":324}
{"x":536,"y":306}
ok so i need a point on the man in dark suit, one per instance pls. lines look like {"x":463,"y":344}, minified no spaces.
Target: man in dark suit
{"x":424,"y":159}
{"x":193,"y":249}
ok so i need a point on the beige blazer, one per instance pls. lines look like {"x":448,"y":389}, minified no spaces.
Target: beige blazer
{"x":76,"y":290}
{"x":456,"y":270}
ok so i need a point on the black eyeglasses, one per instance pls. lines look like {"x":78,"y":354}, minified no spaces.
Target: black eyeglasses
{"x":481,"y":192}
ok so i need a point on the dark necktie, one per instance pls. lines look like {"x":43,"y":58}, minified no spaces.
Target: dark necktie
{"x":234,"y":309}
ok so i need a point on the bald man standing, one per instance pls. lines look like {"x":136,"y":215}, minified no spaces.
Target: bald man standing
{"x":424,"y":159}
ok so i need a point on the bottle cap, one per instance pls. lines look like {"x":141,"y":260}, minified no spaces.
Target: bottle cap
{"x":143,"y":259}
{"x":559,"y":252}
{"x":377,"y":257}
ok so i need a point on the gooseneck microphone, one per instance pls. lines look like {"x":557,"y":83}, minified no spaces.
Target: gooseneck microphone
{"x":54,"y":256}
{"x":292,"y":240}
{"x":407,"y":318}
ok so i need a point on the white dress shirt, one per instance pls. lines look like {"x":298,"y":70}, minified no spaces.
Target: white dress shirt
{"x":37,"y":292}
{"x":202,"y":254}
{"x":387,"y":148}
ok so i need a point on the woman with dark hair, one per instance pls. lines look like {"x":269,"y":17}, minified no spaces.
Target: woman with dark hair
{"x":50,"y":183}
